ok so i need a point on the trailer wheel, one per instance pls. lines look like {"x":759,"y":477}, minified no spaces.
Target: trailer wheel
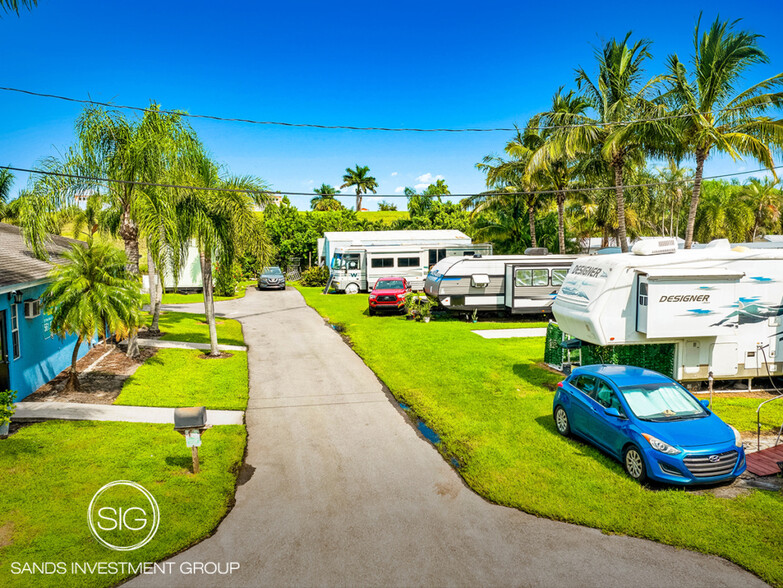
{"x":352,"y":289}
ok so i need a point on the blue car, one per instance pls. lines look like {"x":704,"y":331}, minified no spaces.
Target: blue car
{"x":650,"y":423}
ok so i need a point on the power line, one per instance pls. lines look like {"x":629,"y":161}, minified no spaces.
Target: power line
{"x":357,"y":128}
{"x":313,"y":194}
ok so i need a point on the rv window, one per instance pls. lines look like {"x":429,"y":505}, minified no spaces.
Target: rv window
{"x":352,"y":261}
{"x":558,"y":276}
{"x":541,"y":277}
{"x":470,"y":253}
{"x":531,"y":277}
{"x":408,"y":262}
{"x":383,"y":262}
{"x":337,"y":261}
{"x":642,"y":293}
{"x":436,"y":255}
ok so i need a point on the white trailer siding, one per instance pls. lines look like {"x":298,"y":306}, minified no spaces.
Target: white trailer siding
{"x":721,"y":308}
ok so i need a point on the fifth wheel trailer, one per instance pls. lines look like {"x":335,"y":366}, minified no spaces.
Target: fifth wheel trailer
{"x":720,"y":307}
{"x":518,"y":284}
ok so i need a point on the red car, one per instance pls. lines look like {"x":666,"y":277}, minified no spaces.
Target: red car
{"x":389,"y":294}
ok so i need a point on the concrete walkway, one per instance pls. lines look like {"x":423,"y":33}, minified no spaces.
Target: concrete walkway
{"x":510,"y":333}
{"x":73,"y":411}
{"x":186,"y":345}
{"x":338,"y":489}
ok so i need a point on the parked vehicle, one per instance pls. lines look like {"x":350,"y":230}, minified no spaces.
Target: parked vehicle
{"x":358,"y":259}
{"x":271,"y":277}
{"x":650,"y":423}
{"x":720,"y":307}
{"x":518,"y":284}
{"x":388,"y":294}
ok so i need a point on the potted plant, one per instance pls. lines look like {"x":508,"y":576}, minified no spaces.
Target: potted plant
{"x":7,"y":410}
{"x":418,"y":306}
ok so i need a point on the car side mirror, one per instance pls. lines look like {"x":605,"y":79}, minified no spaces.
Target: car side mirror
{"x":612,"y":412}
{"x":705,"y":403}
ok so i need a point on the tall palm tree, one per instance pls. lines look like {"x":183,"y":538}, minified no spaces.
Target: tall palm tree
{"x":722,"y":215}
{"x":219,"y":221}
{"x":622,"y":127}
{"x":673,"y":178}
{"x":717,"y":117}
{"x":325,"y":199}
{"x":361,"y":180}
{"x":92,"y":294}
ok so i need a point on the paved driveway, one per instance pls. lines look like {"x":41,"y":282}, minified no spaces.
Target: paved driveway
{"x":344,"y":492}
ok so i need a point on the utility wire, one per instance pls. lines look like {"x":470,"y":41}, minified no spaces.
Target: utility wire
{"x":313,"y":194}
{"x":356,"y":128}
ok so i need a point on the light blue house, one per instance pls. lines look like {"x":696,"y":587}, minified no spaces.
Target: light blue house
{"x":29,"y":354}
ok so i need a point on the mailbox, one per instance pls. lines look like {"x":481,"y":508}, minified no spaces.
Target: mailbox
{"x":190,"y":418}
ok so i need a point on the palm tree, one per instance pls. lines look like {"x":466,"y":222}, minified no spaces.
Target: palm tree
{"x":15,"y":5}
{"x":92,"y":294}
{"x":6,"y":181}
{"x":673,"y":178}
{"x":765,"y":201}
{"x":717,"y":118}
{"x":623,"y":128}
{"x":325,"y":199}
{"x":502,"y":219}
{"x":363,"y":182}
{"x":722,"y":215}
{"x":219,"y":221}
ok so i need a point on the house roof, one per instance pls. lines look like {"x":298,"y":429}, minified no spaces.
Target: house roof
{"x":17,"y":263}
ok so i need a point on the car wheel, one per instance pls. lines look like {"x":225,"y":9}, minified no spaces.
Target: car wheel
{"x":634,"y":464}
{"x":371,"y":311}
{"x":352,"y":289}
{"x":561,"y":422}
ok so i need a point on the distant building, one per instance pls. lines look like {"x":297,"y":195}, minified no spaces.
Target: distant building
{"x":275,"y":199}
{"x":29,"y":354}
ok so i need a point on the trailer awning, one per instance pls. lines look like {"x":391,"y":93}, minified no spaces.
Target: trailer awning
{"x":680,"y":274}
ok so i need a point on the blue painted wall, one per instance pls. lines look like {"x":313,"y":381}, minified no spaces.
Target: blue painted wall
{"x":43,"y":355}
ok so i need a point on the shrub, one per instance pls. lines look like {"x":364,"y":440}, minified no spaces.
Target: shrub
{"x":7,"y":407}
{"x":315,"y":276}
{"x":227,"y":278}
{"x":418,"y":305}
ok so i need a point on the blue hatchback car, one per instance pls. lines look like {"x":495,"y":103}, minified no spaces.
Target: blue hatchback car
{"x":654,"y":426}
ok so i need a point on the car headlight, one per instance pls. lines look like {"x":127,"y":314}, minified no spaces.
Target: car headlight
{"x":659,"y":445}
{"x":372,"y":296}
{"x":737,"y":436}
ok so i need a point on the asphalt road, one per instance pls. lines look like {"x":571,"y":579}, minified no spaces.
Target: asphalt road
{"x":340,"y":490}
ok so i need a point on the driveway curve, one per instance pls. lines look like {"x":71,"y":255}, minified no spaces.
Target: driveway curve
{"x":340,"y":490}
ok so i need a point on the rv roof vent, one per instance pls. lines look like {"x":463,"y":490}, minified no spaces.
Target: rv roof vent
{"x":654,"y":246}
{"x":718,"y":244}
{"x":536,"y":251}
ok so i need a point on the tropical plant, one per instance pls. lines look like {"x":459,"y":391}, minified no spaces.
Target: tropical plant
{"x":90,"y":295}
{"x":361,"y":180}
{"x":713,"y":115}
{"x":669,"y":195}
{"x":317,"y":275}
{"x":762,"y":197}
{"x":7,"y":407}
{"x":626,"y":123}
{"x":221,"y":221}
{"x":418,"y":305}
{"x":6,"y":182}
{"x":15,"y":5}
{"x":722,"y":213}
{"x":387,"y":206}
{"x":325,"y":200}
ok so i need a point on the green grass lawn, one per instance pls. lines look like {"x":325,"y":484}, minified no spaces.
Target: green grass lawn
{"x":52,"y":470}
{"x":191,"y":327}
{"x":178,"y":298}
{"x":491,"y":404}
{"x":179,"y":377}
{"x":384,"y":216}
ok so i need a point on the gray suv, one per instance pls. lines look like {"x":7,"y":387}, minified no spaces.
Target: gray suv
{"x":271,"y":277}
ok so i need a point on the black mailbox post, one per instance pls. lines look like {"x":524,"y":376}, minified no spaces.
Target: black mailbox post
{"x":191,"y":422}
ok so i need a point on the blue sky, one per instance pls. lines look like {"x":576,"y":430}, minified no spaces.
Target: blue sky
{"x":425,"y":64}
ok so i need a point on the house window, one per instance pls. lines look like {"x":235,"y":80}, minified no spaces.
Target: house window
{"x":15,"y":330}
{"x":642,"y":293}
{"x":558,"y":276}
{"x":383,"y":262}
{"x":408,"y":262}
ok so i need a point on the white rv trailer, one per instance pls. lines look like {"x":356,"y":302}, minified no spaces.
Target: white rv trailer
{"x":519,"y":284}
{"x":357,"y":259}
{"x":721,"y":307}
{"x":189,"y":274}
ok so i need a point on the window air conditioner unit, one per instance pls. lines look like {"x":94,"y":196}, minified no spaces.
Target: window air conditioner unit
{"x":32,"y":308}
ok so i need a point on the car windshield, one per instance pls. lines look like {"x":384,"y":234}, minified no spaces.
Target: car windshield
{"x":388,"y":285}
{"x":274,"y":271}
{"x":662,"y":402}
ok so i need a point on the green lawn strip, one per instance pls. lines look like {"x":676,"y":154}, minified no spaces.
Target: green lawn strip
{"x":179,"y":298}
{"x":179,"y":377}
{"x":191,"y":327}
{"x":741,"y":413}
{"x":53,"y":469}
{"x":491,"y":404}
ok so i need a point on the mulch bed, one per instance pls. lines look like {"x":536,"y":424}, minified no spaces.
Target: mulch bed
{"x":223,"y":355}
{"x":101,"y":385}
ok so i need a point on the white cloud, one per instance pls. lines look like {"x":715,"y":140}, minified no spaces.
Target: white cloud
{"x":399,"y":189}
{"x":428,"y":179}
{"x":420,"y":187}
{"x":394,"y":174}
